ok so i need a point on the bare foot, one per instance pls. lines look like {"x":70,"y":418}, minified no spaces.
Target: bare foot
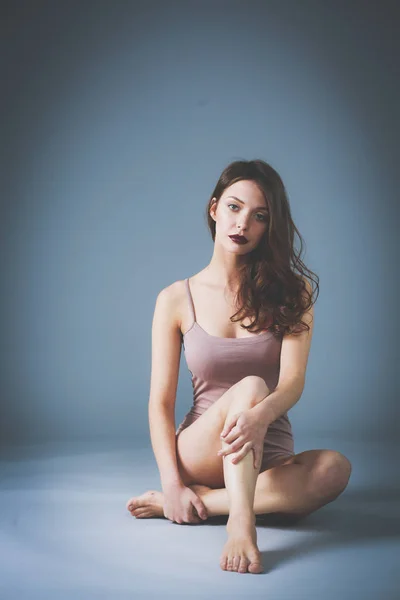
{"x":240,"y":552}
{"x":149,"y":504}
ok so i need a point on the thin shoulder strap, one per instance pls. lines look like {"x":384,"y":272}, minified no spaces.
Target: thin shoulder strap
{"x":191,"y":305}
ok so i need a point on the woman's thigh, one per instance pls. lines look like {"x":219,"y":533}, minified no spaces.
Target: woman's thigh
{"x":198,"y":444}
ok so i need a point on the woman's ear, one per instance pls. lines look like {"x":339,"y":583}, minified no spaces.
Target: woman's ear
{"x":213,"y":208}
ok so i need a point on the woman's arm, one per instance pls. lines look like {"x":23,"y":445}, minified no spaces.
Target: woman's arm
{"x":166,"y":351}
{"x":292,"y":371}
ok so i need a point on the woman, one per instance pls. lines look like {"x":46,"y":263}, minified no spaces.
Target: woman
{"x":233,"y":453}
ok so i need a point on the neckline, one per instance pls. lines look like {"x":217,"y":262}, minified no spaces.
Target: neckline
{"x":256,"y":338}
{"x":236,"y":340}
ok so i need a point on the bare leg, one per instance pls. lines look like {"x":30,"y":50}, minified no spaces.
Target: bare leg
{"x":291,"y":489}
{"x":283,"y":489}
{"x":245,"y":494}
{"x":240,"y":552}
{"x":306,"y":482}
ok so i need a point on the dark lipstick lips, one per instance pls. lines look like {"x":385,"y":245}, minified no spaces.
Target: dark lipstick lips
{"x":238,"y":238}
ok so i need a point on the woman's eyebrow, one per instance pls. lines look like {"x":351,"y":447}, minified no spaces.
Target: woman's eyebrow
{"x":257,"y":208}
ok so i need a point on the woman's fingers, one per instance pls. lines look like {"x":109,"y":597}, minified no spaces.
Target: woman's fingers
{"x":233,"y":447}
{"x":230,"y":422}
{"x":238,"y":450}
{"x":231,"y":436}
{"x":237,"y":456}
{"x":193,"y":516}
{"x":201,"y":509}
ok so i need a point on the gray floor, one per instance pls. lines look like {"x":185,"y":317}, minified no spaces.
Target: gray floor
{"x":65,"y":533}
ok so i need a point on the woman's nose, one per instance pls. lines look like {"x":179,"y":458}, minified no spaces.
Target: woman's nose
{"x":242,"y":225}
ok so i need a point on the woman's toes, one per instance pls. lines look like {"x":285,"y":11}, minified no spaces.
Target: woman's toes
{"x":130,"y":505}
{"x":243,"y":565}
{"x":236,"y":562}
{"x":139,"y":513}
{"x":255,"y":566}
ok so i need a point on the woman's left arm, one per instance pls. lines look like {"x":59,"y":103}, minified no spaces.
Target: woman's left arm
{"x":292,"y":375}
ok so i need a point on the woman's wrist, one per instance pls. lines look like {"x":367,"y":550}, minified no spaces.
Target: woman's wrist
{"x":171,"y":482}
{"x":264,"y":412}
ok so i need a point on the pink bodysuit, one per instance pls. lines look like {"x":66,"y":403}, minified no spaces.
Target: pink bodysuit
{"x":216,"y":363}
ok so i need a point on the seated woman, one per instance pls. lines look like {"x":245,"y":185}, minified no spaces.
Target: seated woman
{"x":245,"y":322}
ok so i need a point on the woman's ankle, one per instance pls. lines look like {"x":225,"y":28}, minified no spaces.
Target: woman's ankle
{"x":241,"y":517}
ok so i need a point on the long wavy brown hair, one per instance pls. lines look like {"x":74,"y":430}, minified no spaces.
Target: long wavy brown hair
{"x":273,"y":288}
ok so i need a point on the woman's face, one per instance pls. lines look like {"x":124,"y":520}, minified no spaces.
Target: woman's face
{"x":241,"y":210}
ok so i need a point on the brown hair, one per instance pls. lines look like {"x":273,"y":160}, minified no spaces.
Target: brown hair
{"x":272,"y":285}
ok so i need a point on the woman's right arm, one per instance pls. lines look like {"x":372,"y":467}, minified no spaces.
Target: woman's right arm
{"x":165,"y":359}
{"x":181,"y":504}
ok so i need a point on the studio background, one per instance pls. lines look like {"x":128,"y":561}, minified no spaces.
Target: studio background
{"x":117,"y":120}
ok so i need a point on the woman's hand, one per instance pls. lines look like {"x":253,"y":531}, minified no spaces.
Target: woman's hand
{"x":182,"y":505}
{"x":245,"y":431}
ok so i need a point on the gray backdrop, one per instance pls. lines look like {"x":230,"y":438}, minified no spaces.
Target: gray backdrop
{"x":117,"y":119}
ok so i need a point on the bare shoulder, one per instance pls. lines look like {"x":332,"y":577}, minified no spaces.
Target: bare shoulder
{"x":166,"y":347}
{"x":169,"y":302}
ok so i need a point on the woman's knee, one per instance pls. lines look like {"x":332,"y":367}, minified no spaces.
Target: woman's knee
{"x":250,"y":391}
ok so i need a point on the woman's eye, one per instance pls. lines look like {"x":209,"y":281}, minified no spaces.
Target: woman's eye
{"x":263,"y":217}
